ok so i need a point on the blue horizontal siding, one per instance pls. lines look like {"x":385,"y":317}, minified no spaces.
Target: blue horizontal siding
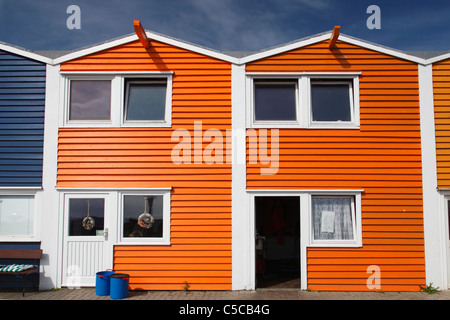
{"x":22,"y":103}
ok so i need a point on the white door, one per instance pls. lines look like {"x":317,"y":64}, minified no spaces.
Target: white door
{"x":87,"y":245}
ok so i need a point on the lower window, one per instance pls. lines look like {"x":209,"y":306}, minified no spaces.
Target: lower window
{"x":333,"y":218}
{"x":143,"y":216}
{"x":17,"y":215}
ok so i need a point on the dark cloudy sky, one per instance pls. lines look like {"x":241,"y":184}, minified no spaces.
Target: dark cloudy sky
{"x":239,"y":25}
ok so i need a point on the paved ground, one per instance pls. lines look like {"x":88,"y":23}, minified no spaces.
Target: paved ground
{"x":260,"y":294}
{"x":262,"y":303}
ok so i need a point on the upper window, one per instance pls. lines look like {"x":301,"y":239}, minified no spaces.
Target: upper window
{"x":145,"y":100}
{"x":118,"y":100}
{"x":90,"y":100}
{"x":17,"y":216}
{"x":305,"y":100}
{"x":331,"y":101}
{"x":275,"y":100}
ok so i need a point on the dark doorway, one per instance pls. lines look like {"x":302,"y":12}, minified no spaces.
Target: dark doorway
{"x":277,"y":222}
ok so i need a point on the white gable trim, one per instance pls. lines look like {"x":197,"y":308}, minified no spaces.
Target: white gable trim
{"x":151,"y":36}
{"x":382,"y":49}
{"x":284,"y":48}
{"x":439,"y":58}
{"x":326,"y":36}
{"x":25,"y":53}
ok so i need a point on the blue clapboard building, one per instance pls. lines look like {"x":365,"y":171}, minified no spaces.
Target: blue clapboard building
{"x":22,"y":107}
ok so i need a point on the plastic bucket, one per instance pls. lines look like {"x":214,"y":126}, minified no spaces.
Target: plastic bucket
{"x":119,"y":285}
{"x":102,"y":282}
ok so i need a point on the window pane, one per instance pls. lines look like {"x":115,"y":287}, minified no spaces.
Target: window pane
{"x":275,"y":101}
{"x":90,"y":100}
{"x":16,"y":215}
{"x":330,"y":101}
{"x":137,"y":222}
{"x":86,"y":217}
{"x":146,"y":100}
{"x":332,"y":218}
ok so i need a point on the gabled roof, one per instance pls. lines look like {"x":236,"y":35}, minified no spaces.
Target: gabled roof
{"x":24,"y":53}
{"x":235,"y":57}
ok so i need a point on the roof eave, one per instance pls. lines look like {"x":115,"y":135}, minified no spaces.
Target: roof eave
{"x":24,"y":53}
{"x":326,"y":36}
{"x":152,"y":36}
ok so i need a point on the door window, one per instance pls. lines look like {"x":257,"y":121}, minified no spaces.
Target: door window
{"x":86,"y":216}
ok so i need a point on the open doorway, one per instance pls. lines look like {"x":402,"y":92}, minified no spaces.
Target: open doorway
{"x":277,"y":224}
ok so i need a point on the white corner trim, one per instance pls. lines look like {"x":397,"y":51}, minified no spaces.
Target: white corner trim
{"x":241,"y":239}
{"x":432,"y":212}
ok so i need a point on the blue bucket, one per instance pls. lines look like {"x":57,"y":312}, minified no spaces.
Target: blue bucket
{"x":102,"y":283}
{"x":119,"y":285}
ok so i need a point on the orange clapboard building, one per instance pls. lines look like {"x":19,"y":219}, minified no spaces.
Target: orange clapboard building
{"x":298,"y":166}
{"x":347,"y":155}
{"x":116,"y":162}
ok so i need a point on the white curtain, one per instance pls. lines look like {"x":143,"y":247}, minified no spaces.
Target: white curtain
{"x":332,"y":218}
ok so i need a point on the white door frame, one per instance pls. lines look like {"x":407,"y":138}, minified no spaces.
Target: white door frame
{"x":445,"y":239}
{"x":110,"y":218}
{"x":304,"y":231}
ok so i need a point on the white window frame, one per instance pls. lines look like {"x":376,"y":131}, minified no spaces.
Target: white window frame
{"x":356,"y":221}
{"x":165,"y":239}
{"x":118,"y":93}
{"x":85,"y":195}
{"x":335,"y":124}
{"x":277,"y":123}
{"x":32,"y":192}
{"x":304,"y":108}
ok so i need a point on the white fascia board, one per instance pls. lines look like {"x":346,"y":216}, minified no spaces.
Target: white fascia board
{"x":84,"y":52}
{"x":25,"y":53}
{"x":284,"y":48}
{"x":326,"y":36}
{"x":438,"y":58}
{"x":151,"y":36}
{"x":382,"y":49}
{"x":191,"y":47}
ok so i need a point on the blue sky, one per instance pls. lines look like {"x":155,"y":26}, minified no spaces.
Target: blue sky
{"x":239,"y":25}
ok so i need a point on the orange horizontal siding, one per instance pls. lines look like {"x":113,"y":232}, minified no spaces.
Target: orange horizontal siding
{"x":383,"y":157}
{"x":200,"y":249}
{"x":441,"y":89}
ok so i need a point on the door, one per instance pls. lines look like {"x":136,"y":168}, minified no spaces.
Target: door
{"x":87,"y":244}
{"x":277,"y":241}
